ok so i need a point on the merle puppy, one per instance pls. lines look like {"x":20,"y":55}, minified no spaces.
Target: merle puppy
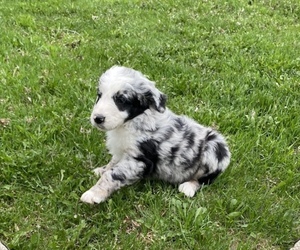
{"x":146,"y":139}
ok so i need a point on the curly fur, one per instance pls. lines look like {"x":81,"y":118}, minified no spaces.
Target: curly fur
{"x":146,"y":139}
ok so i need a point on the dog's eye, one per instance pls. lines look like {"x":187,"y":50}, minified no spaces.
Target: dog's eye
{"x":121,"y":99}
{"x":99,"y":94}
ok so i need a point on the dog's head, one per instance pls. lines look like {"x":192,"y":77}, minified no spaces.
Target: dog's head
{"x":123,"y":94}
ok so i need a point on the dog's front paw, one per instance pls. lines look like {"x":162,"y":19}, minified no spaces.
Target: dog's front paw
{"x":189,"y":188}
{"x":93,"y":195}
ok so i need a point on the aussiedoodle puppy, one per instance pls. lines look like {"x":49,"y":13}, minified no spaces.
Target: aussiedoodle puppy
{"x":146,"y":139}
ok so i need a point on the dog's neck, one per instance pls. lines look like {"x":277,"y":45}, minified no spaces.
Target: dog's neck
{"x":147,"y":121}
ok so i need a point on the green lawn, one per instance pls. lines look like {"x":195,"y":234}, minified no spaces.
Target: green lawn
{"x":233,"y":65}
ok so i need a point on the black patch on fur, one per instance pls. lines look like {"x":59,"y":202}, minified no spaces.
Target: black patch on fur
{"x":132,"y":105}
{"x":211,"y":135}
{"x":118,"y":176}
{"x":174,"y":150}
{"x":205,"y":167}
{"x":221,"y":151}
{"x":149,"y":166}
{"x":209,"y":179}
{"x":173,"y":154}
{"x":179,"y":123}
{"x":189,"y":136}
{"x":168,"y":134}
{"x":162,"y":100}
{"x":192,"y":162}
{"x":149,"y":156}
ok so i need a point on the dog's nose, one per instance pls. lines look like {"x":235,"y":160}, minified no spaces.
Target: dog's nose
{"x":99,"y":119}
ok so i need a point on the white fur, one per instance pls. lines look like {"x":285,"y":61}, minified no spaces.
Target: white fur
{"x":189,"y":188}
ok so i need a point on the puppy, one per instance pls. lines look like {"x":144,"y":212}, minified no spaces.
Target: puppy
{"x":146,"y":139}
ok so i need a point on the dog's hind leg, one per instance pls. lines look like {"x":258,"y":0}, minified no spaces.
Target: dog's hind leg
{"x":189,"y":188}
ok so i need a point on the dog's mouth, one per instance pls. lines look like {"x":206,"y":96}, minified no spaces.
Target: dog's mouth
{"x":103,"y":128}
{"x":100,"y":127}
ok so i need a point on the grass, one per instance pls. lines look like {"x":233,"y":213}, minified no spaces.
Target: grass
{"x":234,"y":65}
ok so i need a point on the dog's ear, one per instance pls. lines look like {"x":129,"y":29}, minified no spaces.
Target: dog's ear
{"x":150,"y":96}
{"x":156,"y":100}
